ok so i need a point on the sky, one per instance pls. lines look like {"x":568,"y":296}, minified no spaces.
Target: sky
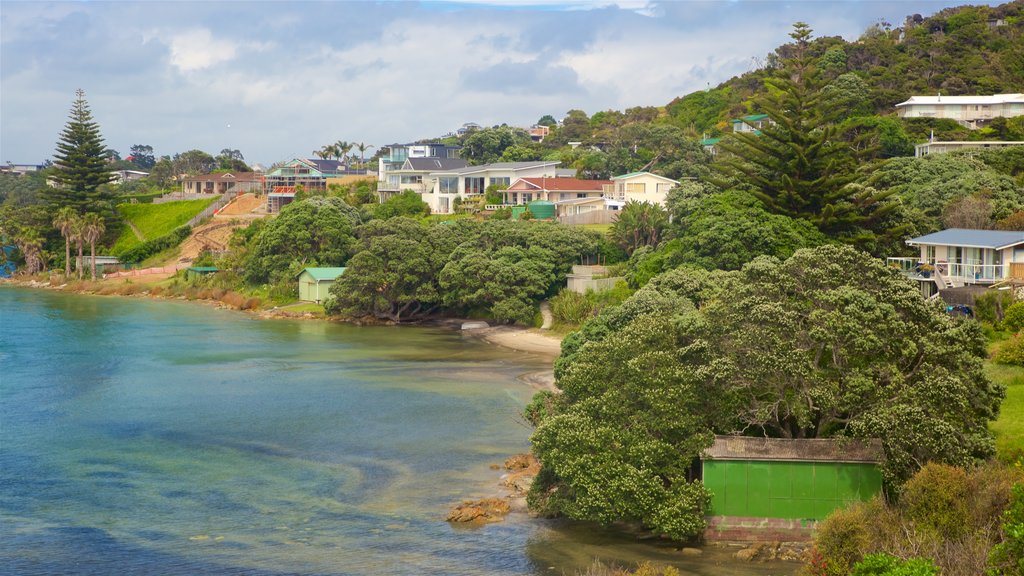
{"x":277,"y":80}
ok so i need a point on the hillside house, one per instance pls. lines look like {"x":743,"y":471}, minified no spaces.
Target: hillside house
{"x":394,"y":174}
{"x":279,"y":184}
{"x":752,"y":123}
{"x":938,"y":147}
{"x":524,"y":190}
{"x":472,"y":181}
{"x":315,"y":283}
{"x":640,"y":187}
{"x":960,"y":256}
{"x":238,"y":182}
{"x":969,"y":111}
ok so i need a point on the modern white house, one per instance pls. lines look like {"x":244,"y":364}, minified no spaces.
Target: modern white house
{"x":940,"y":147}
{"x":970,"y":111}
{"x":640,"y":187}
{"x":960,"y":256}
{"x":444,"y":186}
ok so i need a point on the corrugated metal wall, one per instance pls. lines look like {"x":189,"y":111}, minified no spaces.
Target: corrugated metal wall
{"x":795,"y":490}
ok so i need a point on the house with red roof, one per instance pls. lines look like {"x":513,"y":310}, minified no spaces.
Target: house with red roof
{"x":222,"y":183}
{"x":524,"y":190}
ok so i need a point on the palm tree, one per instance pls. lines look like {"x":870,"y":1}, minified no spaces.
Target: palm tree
{"x":78,"y":235}
{"x":93,"y":228}
{"x":30,"y":242}
{"x":362,"y":152}
{"x":342,"y":148}
{"x":62,"y":221}
{"x":324,"y":152}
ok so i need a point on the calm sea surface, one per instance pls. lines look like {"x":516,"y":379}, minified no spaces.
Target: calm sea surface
{"x":153,"y":437}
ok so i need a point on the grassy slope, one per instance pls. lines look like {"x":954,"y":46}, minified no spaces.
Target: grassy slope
{"x":155,"y":220}
{"x":1009,"y":428}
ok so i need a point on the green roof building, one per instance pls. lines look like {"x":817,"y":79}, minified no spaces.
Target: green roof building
{"x":315,"y":283}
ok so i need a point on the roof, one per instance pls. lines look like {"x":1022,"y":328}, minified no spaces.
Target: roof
{"x":326,"y":165}
{"x":591,"y":200}
{"x":508,"y":166}
{"x":203,"y":269}
{"x":801,"y":450}
{"x":322,"y":274}
{"x":710,"y":141}
{"x":751,"y":118}
{"x":939,"y":99}
{"x":635,"y":174}
{"x":562,"y":184}
{"x":995,"y":239}
{"x":436,"y":163}
{"x":225,"y":177}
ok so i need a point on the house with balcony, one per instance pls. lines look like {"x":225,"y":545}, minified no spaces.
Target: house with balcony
{"x":752,"y":123}
{"x":960,"y":256}
{"x":414,"y":174}
{"x":280,"y":183}
{"x":222,"y":183}
{"x":640,"y":187}
{"x":940,"y":147}
{"x":970,"y":111}
{"x":472,"y":181}
{"x":394,"y":175}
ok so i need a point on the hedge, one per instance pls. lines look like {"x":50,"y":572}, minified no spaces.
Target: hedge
{"x":150,"y":247}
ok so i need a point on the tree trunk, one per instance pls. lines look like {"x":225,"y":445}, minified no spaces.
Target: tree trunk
{"x":67,"y":257}
{"x":78,"y":263}
{"x":92,"y":251}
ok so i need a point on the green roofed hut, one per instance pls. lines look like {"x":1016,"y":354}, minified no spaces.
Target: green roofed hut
{"x":315,"y":283}
{"x":196,"y":271}
{"x":778,"y":489}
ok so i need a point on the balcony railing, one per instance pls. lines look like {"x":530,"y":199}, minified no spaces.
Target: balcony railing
{"x":966,"y":271}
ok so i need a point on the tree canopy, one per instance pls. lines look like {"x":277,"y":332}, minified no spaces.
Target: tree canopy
{"x":80,"y":163}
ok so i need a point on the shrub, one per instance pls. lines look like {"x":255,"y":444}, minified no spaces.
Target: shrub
{"x":1012,"y":351}
{"x":991,"y":306}
{"x":573,"y":308}
{"x":886,"y":565}
{"x":1013,"y":319}
{"x":936,"y":499}
{"x":1008,"y":556}
{"x":151,"y":247}
{"x":841,"y":540}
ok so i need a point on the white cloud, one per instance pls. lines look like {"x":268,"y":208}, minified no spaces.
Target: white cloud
{"x":197,"y":49}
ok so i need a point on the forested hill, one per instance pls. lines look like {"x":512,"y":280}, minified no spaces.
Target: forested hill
{"x":964,"y":50}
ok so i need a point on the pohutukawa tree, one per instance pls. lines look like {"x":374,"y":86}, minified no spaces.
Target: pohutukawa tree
{"x":81,"y":164}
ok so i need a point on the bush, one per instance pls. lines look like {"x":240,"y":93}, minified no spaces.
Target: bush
{"x":1011,"y":352}
{"x":936,"y":499}
{"x":570,"y":307}
{"x":886,"y":565}
{"x":1013,"y":319}
{"x":841,"y":540}
{"x":991,"y":306}
{"x":1008,"y":557}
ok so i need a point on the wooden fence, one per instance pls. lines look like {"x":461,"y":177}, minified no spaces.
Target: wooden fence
{"x":1017,"y":270}
{"x":592,"y":217}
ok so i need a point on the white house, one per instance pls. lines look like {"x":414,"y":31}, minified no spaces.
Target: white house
{"x":940,"y":147}
{"x":640,"y":187}
{"x":447,"y":185}
{"x":959,"y":256}
{"x":969,"y":111}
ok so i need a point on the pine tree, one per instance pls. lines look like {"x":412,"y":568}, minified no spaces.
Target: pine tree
{"x":81,"y":167}
{"x":797,"y":165}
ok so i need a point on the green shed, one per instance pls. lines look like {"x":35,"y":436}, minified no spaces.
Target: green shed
{"x":789,"y":480}
{"x":314,"y":283}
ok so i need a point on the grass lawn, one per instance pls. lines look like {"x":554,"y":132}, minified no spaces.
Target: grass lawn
{"x":1009,"y":428}
{"x":602,"y":228}
{"x":155,"y":220}
{"x":303,"y":307}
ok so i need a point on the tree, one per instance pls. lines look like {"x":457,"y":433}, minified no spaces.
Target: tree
{"x":639,"y":224}
{"x":93,"y":228}
{"x":341,"y":148}
{"x":78,"y":235}
{"x":194,"y":162}
{"x":81,"y":167}
{"x":547,"y":120}
{"x":973,"y":212}
{"x":162,"y":173}
{"x":506,"y":281}
{"x":30,"y":241}
{"x":407,"y":203}
{"x":363,"y":147}
{"x":488,"y":144}
{"x":797,"y":166}
{"x":828,"y":343}
{"x":64,"y":221}
{"x":142,"y":156}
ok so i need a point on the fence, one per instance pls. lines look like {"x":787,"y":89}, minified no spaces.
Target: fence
{"x":142,"y":272}
{"x":592,"y":217}
{"x":212,"y":208}
{"x":1017,"y":270}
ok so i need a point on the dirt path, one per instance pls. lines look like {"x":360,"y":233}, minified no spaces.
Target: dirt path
{"x":136,"y":231}
{"x":244,"y":204}
{"x":545,"y":312}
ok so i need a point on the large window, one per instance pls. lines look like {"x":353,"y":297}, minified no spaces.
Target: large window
{"x":475,"y":185}
{"x":415,"y":179}
{"x":506,"y":181}
{"x":636,"y":187}
{"x":448,"y":185}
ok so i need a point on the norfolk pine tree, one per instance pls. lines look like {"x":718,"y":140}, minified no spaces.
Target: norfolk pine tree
{"x":798,"y":166}
{"x":80,"y":162}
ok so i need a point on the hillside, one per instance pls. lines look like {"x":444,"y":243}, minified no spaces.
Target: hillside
{"x":964,"y":50}
{"x":151,"y":221}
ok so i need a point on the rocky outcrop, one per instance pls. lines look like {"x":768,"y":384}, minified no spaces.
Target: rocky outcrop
{"x":768,"y":551}
{"x":480,"y":511}
{"x":522,"y":469}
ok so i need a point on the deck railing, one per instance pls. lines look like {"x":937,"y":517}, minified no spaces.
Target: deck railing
{"x":966,"y":271}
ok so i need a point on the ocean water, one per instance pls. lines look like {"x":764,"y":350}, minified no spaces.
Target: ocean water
{"x":156,"y":437}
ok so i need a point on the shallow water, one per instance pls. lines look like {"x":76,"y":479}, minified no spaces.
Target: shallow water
{"x":157,"y":437}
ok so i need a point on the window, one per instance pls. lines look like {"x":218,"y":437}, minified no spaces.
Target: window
{"x":448,"y":185}
{"x":506,"y":181}
{"x":412,"y":179}
{"x":636,"y":187}
{"x":475,"y":185}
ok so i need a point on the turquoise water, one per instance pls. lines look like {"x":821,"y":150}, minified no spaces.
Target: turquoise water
{"x":155,"y":437}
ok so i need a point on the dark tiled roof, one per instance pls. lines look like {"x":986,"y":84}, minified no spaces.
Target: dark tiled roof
{"x":437,"y":163}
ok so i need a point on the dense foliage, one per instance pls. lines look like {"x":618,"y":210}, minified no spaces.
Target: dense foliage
{"x":81,"y":166}
{"x":828,"y":343}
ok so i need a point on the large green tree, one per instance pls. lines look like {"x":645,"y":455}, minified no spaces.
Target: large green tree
{"x":80,"y":166}
{"x":796,"y":165}
{"x":828,"y":343}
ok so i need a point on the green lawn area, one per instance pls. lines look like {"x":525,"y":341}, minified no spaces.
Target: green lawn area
{"x":155,"y":220}
{"x":304,"y":307}
{"x":1009,"y":428}
{"x":602,"y":228}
